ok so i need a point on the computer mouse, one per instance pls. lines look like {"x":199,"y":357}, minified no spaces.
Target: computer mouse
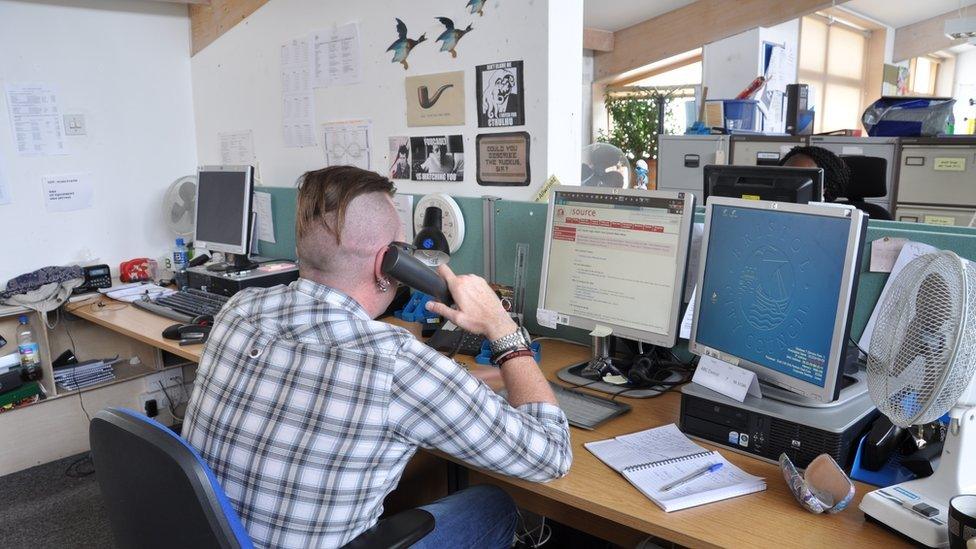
{"x":173,"y":332}
{"x":202,"y":320}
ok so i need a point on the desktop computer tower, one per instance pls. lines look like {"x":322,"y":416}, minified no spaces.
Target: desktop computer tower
{"x":681,"y":158}
{"x":799,"y":119}
{"x":229,"y":283}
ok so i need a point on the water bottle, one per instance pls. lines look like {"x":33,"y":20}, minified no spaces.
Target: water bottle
{"x":30,"y":356}
{"x":181,"y":260}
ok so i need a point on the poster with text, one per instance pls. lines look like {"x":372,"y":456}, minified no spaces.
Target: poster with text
{"x":503,"y":159}
{"x":437,"y":158}
{"x":435,"y":99}
{"x":501,"y":95}
{"x":399,"y":158}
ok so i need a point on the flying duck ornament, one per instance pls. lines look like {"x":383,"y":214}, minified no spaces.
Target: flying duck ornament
{"x":403,"y":45}
{"x":477,"y":6}
{"x":451,"y":35}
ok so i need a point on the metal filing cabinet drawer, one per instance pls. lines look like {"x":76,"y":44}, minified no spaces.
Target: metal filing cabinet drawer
{"x":680,"y":160}
{"x":883,"y":147}
{"x":752,"y":150}
{"x":935,"y":215}
{"x":938,"y":171}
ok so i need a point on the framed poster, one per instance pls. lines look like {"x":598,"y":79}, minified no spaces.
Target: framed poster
{"x":503,"y":159}
{"x":435,"y":99}
{"x":501,"y":95}
{"x":437,"y":158}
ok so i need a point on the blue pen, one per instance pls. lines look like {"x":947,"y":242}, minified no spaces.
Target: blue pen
{"x":699,"y":473}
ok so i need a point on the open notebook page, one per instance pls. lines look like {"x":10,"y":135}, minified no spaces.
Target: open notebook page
{"x":642,"y":447}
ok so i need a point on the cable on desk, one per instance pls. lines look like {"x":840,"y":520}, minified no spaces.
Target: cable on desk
{"x":84,"y":466}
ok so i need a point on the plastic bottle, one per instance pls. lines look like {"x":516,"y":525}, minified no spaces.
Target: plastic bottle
{"x":181,"y":260}
{"x":30,"y":356}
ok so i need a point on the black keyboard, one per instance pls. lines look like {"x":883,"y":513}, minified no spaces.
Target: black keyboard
{"x":193,"y":302}
{"x":456,"y":340}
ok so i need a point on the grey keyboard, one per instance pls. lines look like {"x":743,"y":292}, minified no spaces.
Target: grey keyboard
{"x":161,"y":310}
{"x":583,"y":410}
{"x":586,"y":411}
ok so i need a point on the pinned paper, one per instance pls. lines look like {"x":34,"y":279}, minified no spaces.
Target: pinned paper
{"x":884,"y":253}
{"x":543,"y":194}
{"x":909,"y":251}
{"x":404,"y":208}
{"x":727,"y":379}
{"x":546,"y":318}
{"x":4,"y":192}
{"x":237,"y":147}
{"x":69,"y":192}
{"x":265,"y":217}
{"x":685,"y":331}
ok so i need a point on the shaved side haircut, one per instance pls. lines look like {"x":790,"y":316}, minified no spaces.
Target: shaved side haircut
{"x":342,"y":217}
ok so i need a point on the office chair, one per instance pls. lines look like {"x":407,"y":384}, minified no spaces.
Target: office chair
{"x":160,"y":493}
{"x":867,"y":181}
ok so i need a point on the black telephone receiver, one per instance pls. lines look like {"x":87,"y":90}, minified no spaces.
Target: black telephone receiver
{"x":399,"y":264}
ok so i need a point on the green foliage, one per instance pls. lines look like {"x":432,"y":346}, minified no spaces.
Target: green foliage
{"x":633,"y":122}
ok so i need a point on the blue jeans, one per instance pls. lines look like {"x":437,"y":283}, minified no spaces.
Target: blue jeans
{"x":482,"y":516}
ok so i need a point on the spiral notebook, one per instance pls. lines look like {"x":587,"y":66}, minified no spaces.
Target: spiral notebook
{"x":656,"y":457}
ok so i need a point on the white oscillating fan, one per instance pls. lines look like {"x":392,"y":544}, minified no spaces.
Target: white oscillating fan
{"x":180,"y":206}
{"x":921,"y":364}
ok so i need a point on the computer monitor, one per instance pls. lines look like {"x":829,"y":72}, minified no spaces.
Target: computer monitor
{"x":776,"y":289}
{"x":772,"y":183}
{"x":223,"y":218}
{"x":616,"y":258}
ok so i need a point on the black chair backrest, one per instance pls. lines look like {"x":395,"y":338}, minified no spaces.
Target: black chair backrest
{"x":868,"y":175}
{"x":157,"y":490}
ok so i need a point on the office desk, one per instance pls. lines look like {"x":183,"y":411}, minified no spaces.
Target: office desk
{"x":592,"y":491}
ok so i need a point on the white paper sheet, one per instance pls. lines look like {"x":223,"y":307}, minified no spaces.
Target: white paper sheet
{"x":727,"y":379}
{"x":35,"y":119}
{"x":4,"y":189}
{"x":347,"y":143}
{"x":265,"y":217}
{"x":686,"y":321}
{"x":884,"y":253}
{"x":237,"y":148}
{"x":67,"y":192}
{"x":336,"y":56}
{"x":297,"y":99}
{"x":404,"y":208}
{"x":909,"y":251}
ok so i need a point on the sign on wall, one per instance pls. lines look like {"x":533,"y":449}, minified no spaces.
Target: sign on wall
{"x":503,"y":159}
{"x":501,"y":95}
{"x":437,"y":158}
{"x":435,"y":99}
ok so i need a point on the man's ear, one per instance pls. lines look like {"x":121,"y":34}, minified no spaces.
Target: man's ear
{"x":378,"y":264}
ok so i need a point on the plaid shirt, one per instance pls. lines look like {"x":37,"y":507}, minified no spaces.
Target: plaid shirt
{"x":307,"y":411}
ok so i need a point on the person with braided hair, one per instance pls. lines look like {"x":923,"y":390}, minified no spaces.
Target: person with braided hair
{"x":837,"y":176}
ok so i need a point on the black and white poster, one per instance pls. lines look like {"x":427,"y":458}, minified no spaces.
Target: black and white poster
{"x":501,"y":95}
{"x":437,"y":158}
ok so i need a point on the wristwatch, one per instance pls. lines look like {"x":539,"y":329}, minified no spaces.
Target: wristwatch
{"x":519,"y":339}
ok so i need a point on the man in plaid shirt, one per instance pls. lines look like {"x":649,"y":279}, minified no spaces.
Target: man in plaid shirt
{"x":308,"y":410}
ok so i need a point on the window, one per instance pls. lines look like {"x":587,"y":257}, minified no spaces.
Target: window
{"x":923,"y":73}
{"x":832,"y":63}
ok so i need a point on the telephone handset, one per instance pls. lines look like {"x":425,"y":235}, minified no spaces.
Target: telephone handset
{"x":400,"y":265}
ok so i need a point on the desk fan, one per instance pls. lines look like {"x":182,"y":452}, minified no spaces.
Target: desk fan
{"x":921,"y":364}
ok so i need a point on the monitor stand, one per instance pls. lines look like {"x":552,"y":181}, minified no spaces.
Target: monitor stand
{"x":238,"y":262}
{"x":589,"y":374}
{"x":853,"y":384}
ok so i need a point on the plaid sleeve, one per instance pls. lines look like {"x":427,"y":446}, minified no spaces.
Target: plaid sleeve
{"x":437,"y":404}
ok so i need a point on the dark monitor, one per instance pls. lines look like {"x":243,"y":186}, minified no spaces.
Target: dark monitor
{"x":223,"y":217}
{"x":771,"y":183}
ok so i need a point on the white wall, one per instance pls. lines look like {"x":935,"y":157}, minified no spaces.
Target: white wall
{"x":729,"y":65}
{"x":236,"y":82}
{"x":124,"y":65}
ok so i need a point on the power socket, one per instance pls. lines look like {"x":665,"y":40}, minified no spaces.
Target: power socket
{"x":167,"y":378}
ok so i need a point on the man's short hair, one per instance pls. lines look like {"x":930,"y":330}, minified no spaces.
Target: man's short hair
{"x":324,"y":195}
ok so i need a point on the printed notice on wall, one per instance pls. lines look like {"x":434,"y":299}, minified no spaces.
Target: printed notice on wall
{"x":4,"y":190}
{"x":265,"y":217}
{"x":297,"y":101}
{"x":337,"y":59}
{"x":35,"y":119}
{"x":67,"y":192}
{"x":347,"y":143}
{"x":237,"y":148}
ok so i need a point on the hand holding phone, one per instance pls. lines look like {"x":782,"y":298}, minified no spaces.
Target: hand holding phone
{"x":479,"y":310}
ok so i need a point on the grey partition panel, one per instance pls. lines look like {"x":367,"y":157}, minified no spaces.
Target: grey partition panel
{"x":525,"y":223}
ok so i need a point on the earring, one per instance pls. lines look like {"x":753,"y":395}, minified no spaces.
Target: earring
{"x":383,"y":285}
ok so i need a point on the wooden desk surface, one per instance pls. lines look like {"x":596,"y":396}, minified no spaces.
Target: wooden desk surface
{"x":770,"y":518}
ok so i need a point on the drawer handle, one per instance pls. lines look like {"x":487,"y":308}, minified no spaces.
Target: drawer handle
{"x":692,"y":160}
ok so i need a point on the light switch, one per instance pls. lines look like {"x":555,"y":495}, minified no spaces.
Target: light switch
{"x":74,"y":124}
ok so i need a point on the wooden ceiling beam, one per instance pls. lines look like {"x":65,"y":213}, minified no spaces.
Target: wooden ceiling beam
{"x":597,"y":40}
{"x":927,"y":36}
{"x":209,"y":21}
{"x":691,"y":27}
